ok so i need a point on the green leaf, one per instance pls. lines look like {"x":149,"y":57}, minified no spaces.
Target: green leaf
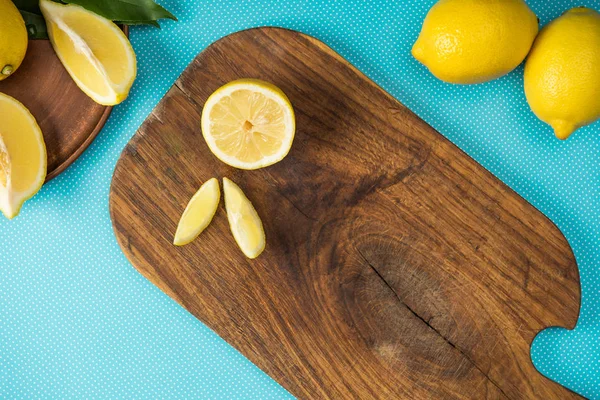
{"x":31,"y":6}
{"x":153,"y":23}
{"x":128,"y":12}
{"x":35,"y":24}
{"x":134,"y":11}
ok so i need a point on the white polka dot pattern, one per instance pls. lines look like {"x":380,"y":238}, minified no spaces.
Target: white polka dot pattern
{"x":77,"y":321}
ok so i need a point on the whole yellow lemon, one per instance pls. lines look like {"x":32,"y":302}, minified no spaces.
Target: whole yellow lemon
{"x":562,"y":72}
{"x":13,"y":38}
{"x":474,"y":41}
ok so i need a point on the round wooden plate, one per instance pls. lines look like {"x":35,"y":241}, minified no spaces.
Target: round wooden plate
{"x":69,"y":119}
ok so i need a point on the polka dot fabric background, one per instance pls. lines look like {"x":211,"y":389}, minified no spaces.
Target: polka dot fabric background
{"x":76,"y":319}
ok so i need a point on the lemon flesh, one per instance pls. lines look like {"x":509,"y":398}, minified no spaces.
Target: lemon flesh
{"x":562,"y":72}
{"x":22,"y":156}
{"x":199,"y":213}
{"x":248,"y":124}
{"x":13,"y":38}
{"x":244,"y":222}
{"x":474,"y":41}
{"x":94,"y":51}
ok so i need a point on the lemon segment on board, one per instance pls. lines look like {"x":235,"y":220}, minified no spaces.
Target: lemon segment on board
{"x":199,"y":213}
{"x":248,"y":124}
{"x":474,"y":41}
{"x":94,"y":51}
{"x":244,"y":222}
{"x":562,"y":72}
{"x":22,"y":156}
{"x":13,"y":38}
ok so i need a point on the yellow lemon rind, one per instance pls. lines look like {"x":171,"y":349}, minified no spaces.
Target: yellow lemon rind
{"x":562,"y":72}
{"x":13,"y":39}
{"x":459,"y":41}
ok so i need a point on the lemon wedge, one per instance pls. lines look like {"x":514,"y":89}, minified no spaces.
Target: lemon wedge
{"x":22,"y":156}
{"x":244,"y":222}
{"x":199,"y":212}
{"x":94,"y":51}
{"x":248,"y":124}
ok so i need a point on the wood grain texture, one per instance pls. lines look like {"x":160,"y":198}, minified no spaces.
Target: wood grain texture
{"x":69,"y":119}
{"x":395,"y":267}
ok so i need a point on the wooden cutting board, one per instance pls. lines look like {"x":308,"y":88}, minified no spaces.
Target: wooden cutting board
{"x":396,"y":267}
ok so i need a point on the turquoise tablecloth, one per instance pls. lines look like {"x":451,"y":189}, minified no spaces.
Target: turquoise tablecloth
{"x":77,"y":321}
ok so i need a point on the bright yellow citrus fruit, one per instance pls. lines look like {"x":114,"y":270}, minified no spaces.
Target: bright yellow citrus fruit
{"x":248,"y":124}
{"x":13,"y":38}
{"x":474,"y":41}
{"x":562,"y":72}
{"x":94,"y":51}
{"x":22,"y":156}
{"x":244,"y":222}
{"x":199,"y":213}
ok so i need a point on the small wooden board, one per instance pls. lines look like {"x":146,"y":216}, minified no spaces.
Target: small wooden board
{"x":396,"y":266}
{"x":69,"y":119}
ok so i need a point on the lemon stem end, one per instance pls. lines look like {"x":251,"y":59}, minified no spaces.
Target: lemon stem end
{"x":563,"y":129}
{"x":7,"y":70}
{"x":417,"y":51}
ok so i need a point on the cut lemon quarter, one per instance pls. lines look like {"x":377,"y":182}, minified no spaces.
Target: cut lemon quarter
{"x":199,"y":212}
{"x":94,"y":51}
{"x":244,"y":222}
{"x":22,"y":156}
{"x":249,"y":124}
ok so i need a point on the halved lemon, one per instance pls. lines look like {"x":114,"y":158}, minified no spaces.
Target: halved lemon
{"x":94,"y":51}
{"x":199,"y":212}
{"x":249,"y":124}
{"x":244,"y":222}
{"x":22,"y":156}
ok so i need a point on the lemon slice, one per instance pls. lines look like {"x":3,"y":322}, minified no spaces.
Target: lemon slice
{"x":248,"y":124}
{"x":244,"y":222}
{"x":199,"y":212}
{"x":22,"y":156}
{"x":94,"y":51}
